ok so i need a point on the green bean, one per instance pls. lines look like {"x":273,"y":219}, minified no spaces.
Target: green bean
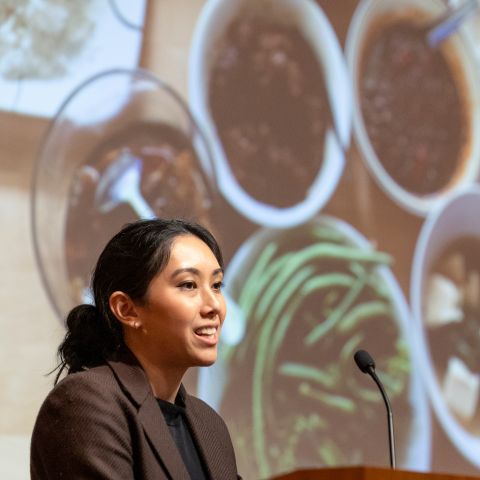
{"x":258,"y":385}
{"x":322,"y":232}
{"x":307,"y":372}
{"x":295,"y":283}
{"x":341,"y":252}
{"x":261,"y":264}
{"x":309,"y":423}
{"x":271,"y":293}
{"x":271,"y":320}
{"x":357,"y":268}
{"x":399,"y":364}
{"x":258,"y":284}
{"x":249,"y":303}
{"x":351,"y":345}
{"x":369,"y":395}
{"x":329,"y":453}
{"x":327,"y":280}
{"x":362,"y":312}
{"x":313,"y":252}
{"x":335,"y":401}
{"x":318,"y":282}
{"x":320,"y":330}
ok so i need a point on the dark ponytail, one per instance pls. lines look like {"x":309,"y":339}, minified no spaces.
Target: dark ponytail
{"x":128,"y":264}
{"x":89,"y":340}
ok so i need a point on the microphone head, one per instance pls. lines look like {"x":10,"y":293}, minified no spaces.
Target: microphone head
{"x":364,"y":361}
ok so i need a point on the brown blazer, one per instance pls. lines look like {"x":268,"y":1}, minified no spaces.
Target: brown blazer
{"x":105,"y":423}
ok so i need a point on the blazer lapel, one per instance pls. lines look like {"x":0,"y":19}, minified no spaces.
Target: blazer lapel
{"x":160,"y":438}
{"x":135,"y":384}
{"x":202,"y":433}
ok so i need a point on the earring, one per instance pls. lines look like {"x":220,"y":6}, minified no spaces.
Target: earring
{"x":136,"y":325}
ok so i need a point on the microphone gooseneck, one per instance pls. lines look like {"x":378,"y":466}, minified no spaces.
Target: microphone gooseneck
{"x":367,"y":365}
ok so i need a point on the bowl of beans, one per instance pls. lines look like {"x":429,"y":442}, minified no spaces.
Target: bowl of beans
{"x":416,"y":117}
{"x":268,"y":82}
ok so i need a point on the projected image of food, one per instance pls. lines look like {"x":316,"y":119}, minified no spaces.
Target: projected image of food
{"x":452,"y":319}
{"x":420,"y":140}
{"x":269,"y":104}
{"x":144,"y":170}
{"x":313,"y":296}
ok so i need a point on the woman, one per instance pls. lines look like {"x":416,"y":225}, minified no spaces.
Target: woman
{"x":122,"y":412}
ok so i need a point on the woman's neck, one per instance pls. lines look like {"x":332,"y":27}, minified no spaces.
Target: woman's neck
{"x":165,"y":380}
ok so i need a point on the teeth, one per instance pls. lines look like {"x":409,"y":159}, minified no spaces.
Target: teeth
{"x":206,"y":331}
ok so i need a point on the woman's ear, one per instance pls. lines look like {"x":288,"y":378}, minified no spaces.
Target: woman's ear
{"x":124,"y":309}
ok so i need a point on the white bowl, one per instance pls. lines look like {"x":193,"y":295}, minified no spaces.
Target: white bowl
{"x":455,"y":218}
{"x":367,"y":14}
{"x":215,"y":18}
{"x":416,"y":451}
{"x":94,"y":112}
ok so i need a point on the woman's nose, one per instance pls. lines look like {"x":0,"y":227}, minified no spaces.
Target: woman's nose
{"x":212,"y":303}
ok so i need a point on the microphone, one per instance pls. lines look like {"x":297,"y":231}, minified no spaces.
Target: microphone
{"x":367,"y":365}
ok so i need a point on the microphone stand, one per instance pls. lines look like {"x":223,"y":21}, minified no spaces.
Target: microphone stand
{"x":391,"y":440}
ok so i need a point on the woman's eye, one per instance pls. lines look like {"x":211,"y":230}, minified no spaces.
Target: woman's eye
{"x":188,"y":285}
{"x":218,"y":286}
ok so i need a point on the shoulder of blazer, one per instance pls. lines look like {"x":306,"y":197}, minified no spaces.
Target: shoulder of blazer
{"x":115,"y":379}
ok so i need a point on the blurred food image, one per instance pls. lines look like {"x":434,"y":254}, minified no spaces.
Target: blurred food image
{"x":421,"y":142}
{"x":335,"y":156}
{"x":154,"y":162}
{"x":452,"y":320}
{"x":270,"y":107}
{"x":312,"y":296}
{"x":31,"y":30}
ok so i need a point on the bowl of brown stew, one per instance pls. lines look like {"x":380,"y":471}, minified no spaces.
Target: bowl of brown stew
{"x":268,"y":82}
{"x":445,"y":299}
{"x":122,"y":146}
{"x":416,"y":108}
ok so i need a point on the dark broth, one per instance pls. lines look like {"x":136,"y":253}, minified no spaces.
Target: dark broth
{"x":171,"y":183}
{"x":413,"y":108}
{"x":270,"y":106}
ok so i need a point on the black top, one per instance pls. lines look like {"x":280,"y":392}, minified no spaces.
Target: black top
{"x":174,"y":414}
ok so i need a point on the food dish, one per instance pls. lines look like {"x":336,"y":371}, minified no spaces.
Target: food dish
{"x":122,"y":146}
{"x":293,"y":25}
{"x":443,"y":317}
{"x":312,"y":296}
{"x":86,"y":37}
{"x":418,"y":149}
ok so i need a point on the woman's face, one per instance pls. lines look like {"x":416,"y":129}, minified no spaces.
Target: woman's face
{"x":184,"y":308}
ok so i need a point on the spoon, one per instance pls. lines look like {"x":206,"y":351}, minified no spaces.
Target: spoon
{"x":449,"y":23}
{"x":120,"y":183}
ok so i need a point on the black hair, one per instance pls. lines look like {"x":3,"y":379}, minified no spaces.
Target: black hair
{"x":128,"y":263}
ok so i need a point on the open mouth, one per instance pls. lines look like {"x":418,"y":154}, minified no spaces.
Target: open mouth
{"x":207,"y":332}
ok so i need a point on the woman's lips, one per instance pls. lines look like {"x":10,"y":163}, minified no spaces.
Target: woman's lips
{"x":208,"y":334}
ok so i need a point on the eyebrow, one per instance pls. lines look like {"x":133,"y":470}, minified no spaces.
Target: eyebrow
{"x":194,"y":271}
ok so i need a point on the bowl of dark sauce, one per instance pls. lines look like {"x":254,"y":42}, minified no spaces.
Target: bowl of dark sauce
{"x":268,"y":82}
{"x":416,"y":116}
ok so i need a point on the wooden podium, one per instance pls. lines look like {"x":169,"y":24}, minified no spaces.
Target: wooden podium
{"x":367,"y":473}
